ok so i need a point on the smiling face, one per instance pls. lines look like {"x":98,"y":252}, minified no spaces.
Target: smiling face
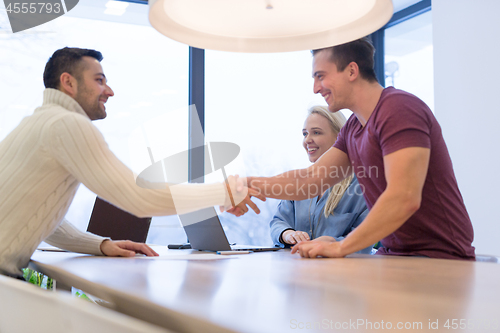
{"x":330,"y":83}
{"x":318,"y":136}
{"x":92,"y":89}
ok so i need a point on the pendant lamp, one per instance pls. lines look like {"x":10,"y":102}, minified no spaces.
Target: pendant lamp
{"x":267,"y":25}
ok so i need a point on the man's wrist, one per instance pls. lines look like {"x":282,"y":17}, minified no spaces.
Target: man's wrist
{"x":227,"y":190}
{"x":249,"y":181}
{"x":342,"y":252}
{"x":101,"y":246}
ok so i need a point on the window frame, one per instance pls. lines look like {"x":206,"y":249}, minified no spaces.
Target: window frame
{"x":378,"y":37}
{"x":197,"y":78}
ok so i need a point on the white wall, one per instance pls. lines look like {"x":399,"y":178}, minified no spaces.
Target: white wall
{"x":467,"y":104}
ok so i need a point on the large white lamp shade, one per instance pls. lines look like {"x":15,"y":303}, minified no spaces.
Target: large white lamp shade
{"x":267,"y":25}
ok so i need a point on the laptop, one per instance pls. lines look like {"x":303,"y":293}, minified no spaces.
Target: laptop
{"x":110,"y":221}
{"x":205,"y":233}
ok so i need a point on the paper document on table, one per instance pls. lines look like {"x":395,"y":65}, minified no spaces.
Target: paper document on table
{"x":207,"y":256}
{"x":167,"y":254}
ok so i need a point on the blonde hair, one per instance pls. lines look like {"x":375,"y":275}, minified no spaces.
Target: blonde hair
{"x":336,"y":121}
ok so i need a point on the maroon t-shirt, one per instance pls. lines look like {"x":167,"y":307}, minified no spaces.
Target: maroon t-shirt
{"x":441,"y":228}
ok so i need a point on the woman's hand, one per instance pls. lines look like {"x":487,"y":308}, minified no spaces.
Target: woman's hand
{"x":293,"y":237}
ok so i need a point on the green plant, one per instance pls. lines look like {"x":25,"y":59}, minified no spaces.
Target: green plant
{"x":38,"y":279}
{"x":45,"y":282}
{"x":83,"y":296}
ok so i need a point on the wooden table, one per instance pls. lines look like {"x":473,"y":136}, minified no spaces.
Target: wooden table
{"x":280,"y":292}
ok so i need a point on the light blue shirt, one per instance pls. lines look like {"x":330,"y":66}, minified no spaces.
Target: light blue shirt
{"x":307,"y":215}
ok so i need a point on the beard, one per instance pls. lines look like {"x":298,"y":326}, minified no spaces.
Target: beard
{"x":90,"y":103}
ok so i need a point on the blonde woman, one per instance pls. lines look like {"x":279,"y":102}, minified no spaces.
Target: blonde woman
{"x":338,"y":210}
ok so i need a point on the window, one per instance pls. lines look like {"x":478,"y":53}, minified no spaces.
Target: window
{"x":408,"y":57}
{"x":405,"y":50}
{"x":149,"y":78}
{"x":260,"y":102}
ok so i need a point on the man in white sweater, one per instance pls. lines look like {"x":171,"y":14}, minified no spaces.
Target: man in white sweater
{"x":45,"y":158}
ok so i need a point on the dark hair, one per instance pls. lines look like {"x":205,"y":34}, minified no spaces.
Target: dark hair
{"x":66,"y":60}
{"x":360,"y":51}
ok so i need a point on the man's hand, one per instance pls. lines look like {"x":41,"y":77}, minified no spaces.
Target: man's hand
{"x":293,"y":236}
{"x":125,"y":249}
{"x":324,"y":246}
{"x":239,"y":196}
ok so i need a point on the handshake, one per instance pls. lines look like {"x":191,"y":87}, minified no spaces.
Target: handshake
{"x":238,"y":196}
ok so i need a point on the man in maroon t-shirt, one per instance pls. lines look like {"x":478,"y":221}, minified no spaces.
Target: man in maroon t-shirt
{"x":395,"y":146}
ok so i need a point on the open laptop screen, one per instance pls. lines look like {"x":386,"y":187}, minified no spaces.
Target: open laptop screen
{"x":204,"y":230}
{"x":110,"y":221}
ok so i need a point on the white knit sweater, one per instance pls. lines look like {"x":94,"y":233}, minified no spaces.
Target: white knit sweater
{"x":42,"y":162}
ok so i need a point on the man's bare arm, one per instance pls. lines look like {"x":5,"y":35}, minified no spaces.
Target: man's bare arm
{"x":405,"y":172}
{"x":302,"y":184}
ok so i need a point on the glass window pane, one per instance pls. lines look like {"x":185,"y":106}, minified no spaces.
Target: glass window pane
{"x":149,"y":78}
{"x":408,"y":57}
{"x":258,"y":101}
